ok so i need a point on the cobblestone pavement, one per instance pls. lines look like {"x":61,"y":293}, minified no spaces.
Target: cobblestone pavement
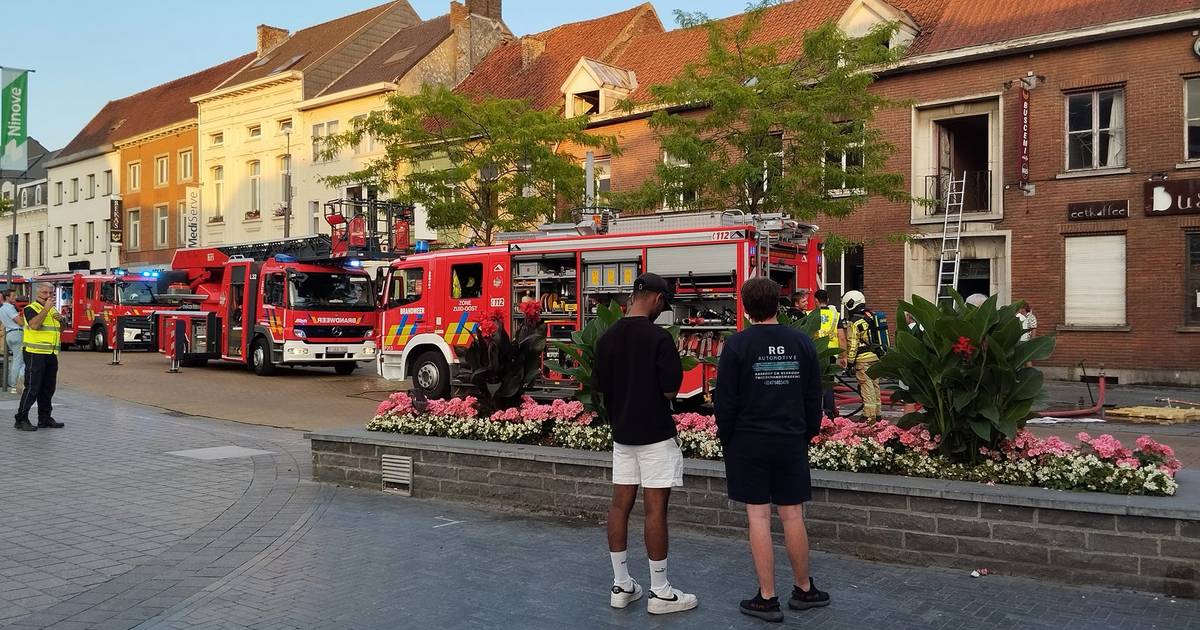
{"x":106,"y":528}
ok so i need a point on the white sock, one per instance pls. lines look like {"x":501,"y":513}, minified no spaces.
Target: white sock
{"x":620,"y":569}
{"x":658,"y":576}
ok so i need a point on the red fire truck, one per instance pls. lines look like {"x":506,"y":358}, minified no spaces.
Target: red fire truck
{"x":91,"y":304}
{"x":286,"y":302}
{"x":19,"y":288}
{"x":433,"y":302}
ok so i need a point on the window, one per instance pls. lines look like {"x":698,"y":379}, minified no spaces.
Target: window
{"x":1096,"y":130}
{"x":182,"y":206}
{"x":1192,"y":279}
{"x":320,"y":131}
{"x":185,"y":166}
{"x":108,"y":292}
{"x":24,"y":197}
{"x":162,"y":225}
{"x":91,"y":237}
{"x":41,"y":250}
{"x":466,"y":281}
{"x":133,"y":237}
{"x":108,"y":183}
{"x":685,"y":196}
{"x":57,"y":241}
{"x":162,"y":170}
{"x":74,"y":239}
{"x":273,"y":289}
{"x":216,"y":139}
{"x":285,"y":177}
{"x":255,"y":172}
{"x":314,"y":208}
{"x":135,"y":175}
{"x":37,"y":196}
{"x":285,"y":125}
{"x":603,"y":176}
{"x":58,"y":193}
{"x":843,"y":165}
{"x":1191,"y":115}
{"x":254,"y":131}
{"x":25,"y":249}
{"x":91,"y":186}
{"x":1095,"y":280}
{"x":772,"y":166}
{"x":407,"y":286}
{"x":218,"y":176}
{"x":74,"y":189}
{"x":362,"y":146}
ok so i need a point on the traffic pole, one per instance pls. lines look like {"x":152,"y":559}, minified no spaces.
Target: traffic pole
{"x":178,"y":345}
{"x":118,"y":342}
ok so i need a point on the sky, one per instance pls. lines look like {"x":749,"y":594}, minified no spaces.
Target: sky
{"x":86,"y":53}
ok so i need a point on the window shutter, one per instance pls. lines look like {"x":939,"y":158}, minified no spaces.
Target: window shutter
{"x":1095,"y":293}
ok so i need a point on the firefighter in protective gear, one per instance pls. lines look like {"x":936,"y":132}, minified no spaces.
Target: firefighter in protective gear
{"x":860,"y":351}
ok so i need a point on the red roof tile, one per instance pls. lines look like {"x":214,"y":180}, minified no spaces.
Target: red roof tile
{"x":972,"y":22}
{"x":396,"y":56}
{"x":307,"y":46}
{"x":155,"y":108}
{"x":500,"y":73}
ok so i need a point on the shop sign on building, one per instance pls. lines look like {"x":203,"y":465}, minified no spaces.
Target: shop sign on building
{"x":1175,"y":196}
{"x":1098,"y":210}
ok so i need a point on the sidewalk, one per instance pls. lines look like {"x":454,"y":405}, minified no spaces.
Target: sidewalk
{"x":106,"y":528}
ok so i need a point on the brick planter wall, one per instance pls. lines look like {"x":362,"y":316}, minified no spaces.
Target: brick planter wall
{"x":1143,"y":543}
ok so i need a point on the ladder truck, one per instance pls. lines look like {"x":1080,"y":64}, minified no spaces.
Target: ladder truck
{"x":288,"y":302}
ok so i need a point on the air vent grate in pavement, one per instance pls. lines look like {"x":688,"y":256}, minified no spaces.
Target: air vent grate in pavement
{"x":219,"y":452}
{"x":397,"y":474}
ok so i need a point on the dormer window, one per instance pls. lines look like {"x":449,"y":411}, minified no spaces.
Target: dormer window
{"x":595,"y":88}
{"x":864,"y":15}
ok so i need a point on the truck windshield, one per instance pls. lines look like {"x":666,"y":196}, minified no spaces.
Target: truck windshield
{"x":136,"y":292}
{"x":330,"y":291}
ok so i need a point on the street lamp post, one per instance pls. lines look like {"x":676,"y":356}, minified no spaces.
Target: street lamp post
{"x":287,"y":186}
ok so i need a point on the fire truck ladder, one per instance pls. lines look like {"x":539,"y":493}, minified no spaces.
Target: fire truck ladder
{"x":305,"y":247}
{"x":948,"y":260}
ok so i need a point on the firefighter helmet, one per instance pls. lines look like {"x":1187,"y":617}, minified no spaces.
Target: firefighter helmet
{"x":852,"y":300}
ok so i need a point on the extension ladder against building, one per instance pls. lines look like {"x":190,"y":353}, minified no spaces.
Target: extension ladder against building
{"x":948,"y":259}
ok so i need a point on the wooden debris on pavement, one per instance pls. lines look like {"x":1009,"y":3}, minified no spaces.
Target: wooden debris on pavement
{"x":1154,"y":415}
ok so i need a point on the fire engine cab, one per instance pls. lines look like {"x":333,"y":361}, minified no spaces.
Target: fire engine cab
{"x":286,"y":302}
{"x":91,"y":304}
{"x":433,"y":302}
{"x":18,"y":288}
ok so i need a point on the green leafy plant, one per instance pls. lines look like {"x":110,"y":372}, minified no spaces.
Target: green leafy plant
{"x":580,"y":355}
{"x":966,"y":367}
{"x":501,"y":367}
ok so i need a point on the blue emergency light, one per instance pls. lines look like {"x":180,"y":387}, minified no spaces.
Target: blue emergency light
{"x":357,"y":264}
{"x":149,"y":274}
{"x":422,"y":247}
{"x":285,"y":258}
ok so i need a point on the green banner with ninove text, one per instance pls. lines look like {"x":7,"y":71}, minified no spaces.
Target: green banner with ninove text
{"x":14,"y":126}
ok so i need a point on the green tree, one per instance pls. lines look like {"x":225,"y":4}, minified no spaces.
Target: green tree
{"x":481,"y":166}
{"x":746,"y":128}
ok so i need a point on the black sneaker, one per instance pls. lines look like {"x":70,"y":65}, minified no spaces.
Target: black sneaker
{"x":812,"y":598}
{"x":765,"y":609}
{"x":49,"y":423}
{"x":23,"y":425}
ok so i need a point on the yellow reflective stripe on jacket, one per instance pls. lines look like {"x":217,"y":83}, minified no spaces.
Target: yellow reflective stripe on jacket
{"x":48,"y":339}
{"x":830,"y":318}
{"x":858,"y":338}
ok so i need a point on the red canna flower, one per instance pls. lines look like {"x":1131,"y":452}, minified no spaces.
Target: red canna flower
{"x":488,"y":328}
{"x":964,"y":348}
{"x":531,"y":309}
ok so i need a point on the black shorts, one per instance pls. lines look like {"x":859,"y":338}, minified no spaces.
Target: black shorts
{"x":761,"y":468}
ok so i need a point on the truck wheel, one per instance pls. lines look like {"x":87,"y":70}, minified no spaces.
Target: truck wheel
{"x":346,"y":368}
{"x":99,"y":342}
{"x":260,"y":358}
{"x":431,"y":375}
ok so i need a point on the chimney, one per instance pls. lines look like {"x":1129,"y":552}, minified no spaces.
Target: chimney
{"x":270,"y":37}
{"x":531,"y":48}
{"x":458,"y":14}
{"x":489,"y":9}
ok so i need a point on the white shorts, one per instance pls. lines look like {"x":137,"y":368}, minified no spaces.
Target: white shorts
{"x":658,"y":465}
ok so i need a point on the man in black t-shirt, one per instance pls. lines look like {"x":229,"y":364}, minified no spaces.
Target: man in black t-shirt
{"x":768,"y":407}
{"x":637,"y":372}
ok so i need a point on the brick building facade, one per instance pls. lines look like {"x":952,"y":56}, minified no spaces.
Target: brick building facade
{"x":1117,"y":280}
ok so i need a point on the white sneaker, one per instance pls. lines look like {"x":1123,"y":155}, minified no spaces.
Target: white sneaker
{"x":621,"y":598}
{"x":672,"y":601}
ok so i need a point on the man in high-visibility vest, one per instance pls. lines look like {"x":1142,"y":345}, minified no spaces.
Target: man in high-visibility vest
{"x":834,"y":329}
{"x":42,"y":341}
